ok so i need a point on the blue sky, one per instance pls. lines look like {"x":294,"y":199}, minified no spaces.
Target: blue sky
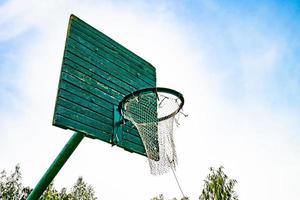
{"x":236,"y":62}
{"x":234,"y":30}
{"x":217,"y":23}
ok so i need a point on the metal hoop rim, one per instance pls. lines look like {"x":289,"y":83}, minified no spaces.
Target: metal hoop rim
{"x":154,"y":90}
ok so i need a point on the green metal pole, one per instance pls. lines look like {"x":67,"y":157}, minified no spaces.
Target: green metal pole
{"x":57,"y":164}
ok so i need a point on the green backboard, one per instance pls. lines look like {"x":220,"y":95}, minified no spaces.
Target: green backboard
{"x":96,"y":74}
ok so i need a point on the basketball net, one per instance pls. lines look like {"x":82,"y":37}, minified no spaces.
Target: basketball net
{"x":151,"y":114}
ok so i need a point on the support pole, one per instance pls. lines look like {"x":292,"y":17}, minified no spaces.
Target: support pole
{"x":57,"y":164}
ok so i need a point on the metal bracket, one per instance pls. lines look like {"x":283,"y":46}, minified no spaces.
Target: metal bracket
{"x":117,"y":132}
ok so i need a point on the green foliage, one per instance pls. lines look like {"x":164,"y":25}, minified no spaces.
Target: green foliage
{"x":50,"y":193}
{"x":64,"y":195}
{"x":161,"y":197}
{"x":82,"y":191}
{"x":11,"y":188}
{"x":217,"y":186}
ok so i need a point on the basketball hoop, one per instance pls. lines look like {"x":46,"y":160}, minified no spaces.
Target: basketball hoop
{"x":152,"y":111}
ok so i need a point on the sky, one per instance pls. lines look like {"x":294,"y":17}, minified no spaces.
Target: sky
{"x":237,"y":64}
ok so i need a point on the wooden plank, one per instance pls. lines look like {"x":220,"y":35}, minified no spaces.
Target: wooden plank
{"x":109,"y":48}
{"x":86,"y":95}
{"x":132,"y":147}
{"x":104,"y":64}
{"x":133,"y":139}
{"x":92,"y":82}
{"x":95,"y":69}
{"x":111,"y":43}
{"x":129,"y":136}
{"x":91,"y":56}
{"x":97,"y":77}
{"x":84,"y":86}
{"x":85,"y":103}
{"x":84,"y":111}
{"x":87,"y":39}
{"x":65,"y":112}
{"x":63,"y":121}
{"x":114,"y":47}
{"x":128,"y":128}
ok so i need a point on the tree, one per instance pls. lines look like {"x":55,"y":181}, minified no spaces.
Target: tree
{"x":64,"y":195}
{"x":161,"y":197}
{"x":11,"y":185}
{"x":217,"y":186}
{"x":50,"y":193}
{"x":11,"y":188}
{"x":82,"y":191}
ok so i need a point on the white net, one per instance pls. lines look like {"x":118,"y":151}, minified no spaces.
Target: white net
{"x":153,"y":115}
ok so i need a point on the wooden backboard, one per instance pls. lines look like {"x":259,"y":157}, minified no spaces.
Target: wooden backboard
{"x":96,"y":74}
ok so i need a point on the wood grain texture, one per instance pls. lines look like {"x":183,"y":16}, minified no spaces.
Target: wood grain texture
{"x":96,"y":74}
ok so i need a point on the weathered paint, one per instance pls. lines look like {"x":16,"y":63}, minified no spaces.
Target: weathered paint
{"x":96,"y":74}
